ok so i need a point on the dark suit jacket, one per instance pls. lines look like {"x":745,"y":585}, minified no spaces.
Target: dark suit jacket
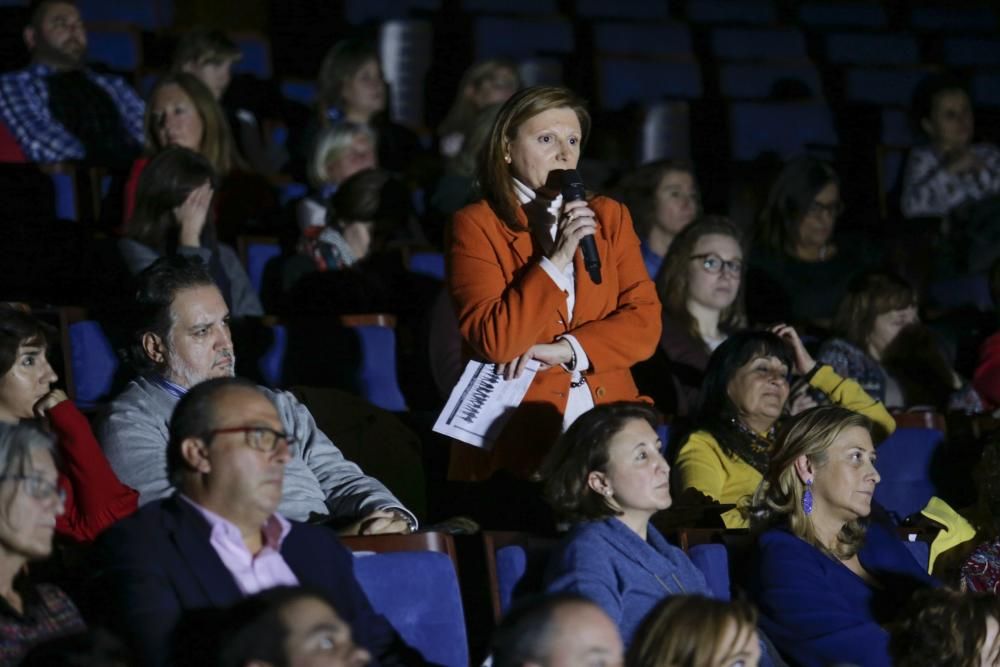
{"x":158,"y":565}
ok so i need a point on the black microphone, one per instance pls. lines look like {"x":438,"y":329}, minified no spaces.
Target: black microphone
{"x":573,"y":190}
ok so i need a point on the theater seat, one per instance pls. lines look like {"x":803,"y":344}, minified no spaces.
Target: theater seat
{"x":92,"y":362}
{"x":906,"y":462}
{"x":418,"y":594}
{"x":515,"y":564}
{"x":713,"y":561}
{"x":429,"y":264}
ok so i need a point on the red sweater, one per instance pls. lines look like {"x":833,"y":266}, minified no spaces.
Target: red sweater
{"x":95,"y":498}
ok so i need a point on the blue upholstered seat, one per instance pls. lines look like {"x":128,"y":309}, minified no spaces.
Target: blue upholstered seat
{"x":905,"y":463}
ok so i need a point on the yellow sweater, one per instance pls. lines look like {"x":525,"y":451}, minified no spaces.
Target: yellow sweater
{"x":702,"y":464}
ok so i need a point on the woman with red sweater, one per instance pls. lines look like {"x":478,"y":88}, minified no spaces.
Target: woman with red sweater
{"x":95,"y":498}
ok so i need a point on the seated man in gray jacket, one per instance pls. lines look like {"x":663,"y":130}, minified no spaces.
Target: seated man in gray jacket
{"x":182,"y":339}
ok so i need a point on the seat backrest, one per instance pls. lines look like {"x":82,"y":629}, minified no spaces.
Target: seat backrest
{"x":642,"y":80}
{"x":758,"y":44}
{"x":377,"y":380}
{"x":496,"y":37}
{"x":873,"y":85}
{"x":116,"y":46}
{"x":427,"y":264}
{"x":713,"y":561}
{"x":515,"y":564}
{"x":784,"y":128}
{"x":850,"y":48}
{"x":905,"y":464}
{"x":418,"y":594}
{"x":954,"y":19}
{"x":755,"y":12}
{"x":256,"y":252}
{"x":649,"y":38}
{"x":256,"y":50}
{"x":759,"y":81}
{"x":93,"y":361}
{"x":842,"y":14}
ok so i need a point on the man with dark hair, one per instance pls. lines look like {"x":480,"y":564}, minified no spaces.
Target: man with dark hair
{"x":556,"y":631}
{"x":56,"y":108}
{"x":181,"y":339}
{"x":219,"y":537}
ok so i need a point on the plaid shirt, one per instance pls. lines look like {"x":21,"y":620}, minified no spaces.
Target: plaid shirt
{"x":48,"y":613}
{"x":24,"y":108}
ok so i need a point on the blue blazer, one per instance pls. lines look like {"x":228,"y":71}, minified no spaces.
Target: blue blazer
{"x":817,"y":611}
{"x":609,"y":563}
{"x":158,"y":564}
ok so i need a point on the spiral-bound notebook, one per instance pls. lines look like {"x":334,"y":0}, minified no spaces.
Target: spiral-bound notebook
{"x":481,"y":403}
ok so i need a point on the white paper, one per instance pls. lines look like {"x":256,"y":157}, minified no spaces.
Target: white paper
{"x":482,"y":402}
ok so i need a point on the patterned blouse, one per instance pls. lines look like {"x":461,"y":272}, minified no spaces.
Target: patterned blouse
{"x":48,"y":613}
{"x":930,"y":189}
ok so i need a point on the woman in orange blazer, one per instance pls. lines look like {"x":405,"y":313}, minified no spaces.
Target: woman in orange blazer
{"x":521,"y":291}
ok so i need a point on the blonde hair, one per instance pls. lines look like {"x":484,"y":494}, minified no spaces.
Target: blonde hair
{"x":778,"y":499}
{"x":330,"y":144}
{"x":686,"y":630}
{"x":463,"y":112}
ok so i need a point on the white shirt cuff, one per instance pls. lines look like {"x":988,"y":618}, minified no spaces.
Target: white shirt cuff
{"x":558,"y":277}
{"x":582,"y":360}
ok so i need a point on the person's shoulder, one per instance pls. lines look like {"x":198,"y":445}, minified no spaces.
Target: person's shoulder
{"x":147,"y":525}
{"x":478,"y":211}
{"x":839,"y":346}
{"x":138,"y":394}
{"x":779,"y":540}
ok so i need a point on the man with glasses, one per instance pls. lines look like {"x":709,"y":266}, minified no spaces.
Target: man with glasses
{"x":182,"y":338}
{"x":220,"y":537}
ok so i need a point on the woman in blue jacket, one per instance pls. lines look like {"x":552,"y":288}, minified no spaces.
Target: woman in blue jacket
{"x":825,"y":580}
{"x":607,"y":473}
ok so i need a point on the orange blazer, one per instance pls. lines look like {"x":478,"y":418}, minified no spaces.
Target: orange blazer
{"x":506,"y":302}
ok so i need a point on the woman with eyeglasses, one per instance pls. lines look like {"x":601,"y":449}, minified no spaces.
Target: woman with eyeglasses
{"x":31,"y":502}
{"x":700,"y":288}
{"x":800,"y":268}
{"x":95,"y":498}
{"x":743,"y":399}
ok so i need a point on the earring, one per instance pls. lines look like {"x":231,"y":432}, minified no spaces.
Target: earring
{"x":607,"y":493}
{"x":807,"y":498}
{"x":506,"y":158}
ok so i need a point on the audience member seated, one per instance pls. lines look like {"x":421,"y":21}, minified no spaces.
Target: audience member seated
{"x":826,"y":581}
{"x":950,"y":171}
{"x":351,"y":88}
{"x":697,"y":632}
{"x":220,"y":537}
{"x":607,"y":474}
{"x":94,"y":498}
{"x":799,"y":268}
{"x":483,"y":85}
{"x":173,"y":217}
{"x":30,"y":503}
{"x":879,"y":335}
{"x":457,"y":187}
{"x":521,"y":290}
{"x":945,"y":627}
{"x":182,"y":338}
{"x":209,"y":55}
{"x":556,"y":630}
{"x":287,"y":626}
{"x":743,"y":397}
{"x":57,"y":108}
{"x":663,"y":199}
{"x":183,"y":112}
{"x":701,"y":289}
{"x":339,"y":152}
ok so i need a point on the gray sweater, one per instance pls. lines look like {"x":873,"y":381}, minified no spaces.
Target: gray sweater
{"x":318,"y":479}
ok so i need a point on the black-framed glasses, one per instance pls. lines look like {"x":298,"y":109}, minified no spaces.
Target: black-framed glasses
{"x":833,"y":209}
{"x":712,"y":263}
{"x":261,"y":438}
{"x":37,"y":486}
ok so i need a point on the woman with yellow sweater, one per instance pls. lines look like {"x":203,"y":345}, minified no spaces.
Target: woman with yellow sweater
{"x":743,"y":397}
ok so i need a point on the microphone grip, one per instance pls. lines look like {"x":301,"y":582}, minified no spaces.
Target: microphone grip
{"x":591,"y":260}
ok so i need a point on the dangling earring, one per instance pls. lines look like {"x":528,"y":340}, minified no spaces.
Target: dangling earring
{"x":807,"y":498}
{"x":506,"y":158}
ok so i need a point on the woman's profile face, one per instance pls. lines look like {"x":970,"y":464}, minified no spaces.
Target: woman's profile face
{"x":817,"y":226}
{"x":951,"y":122}
{"x":29,"y":505}
{"x":739,"y":646}
{"x":759,"y":389}
{"x":638,"y":475}
{"x":545,"y":142}
{"x":175,"y":118}
{"x":25,"y":383}
{"x":677,"y":201}
{"x":713,"y":276}
{"x":887,"y":326}
{"x":843,"y":487}
{"x":364,"y":91}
